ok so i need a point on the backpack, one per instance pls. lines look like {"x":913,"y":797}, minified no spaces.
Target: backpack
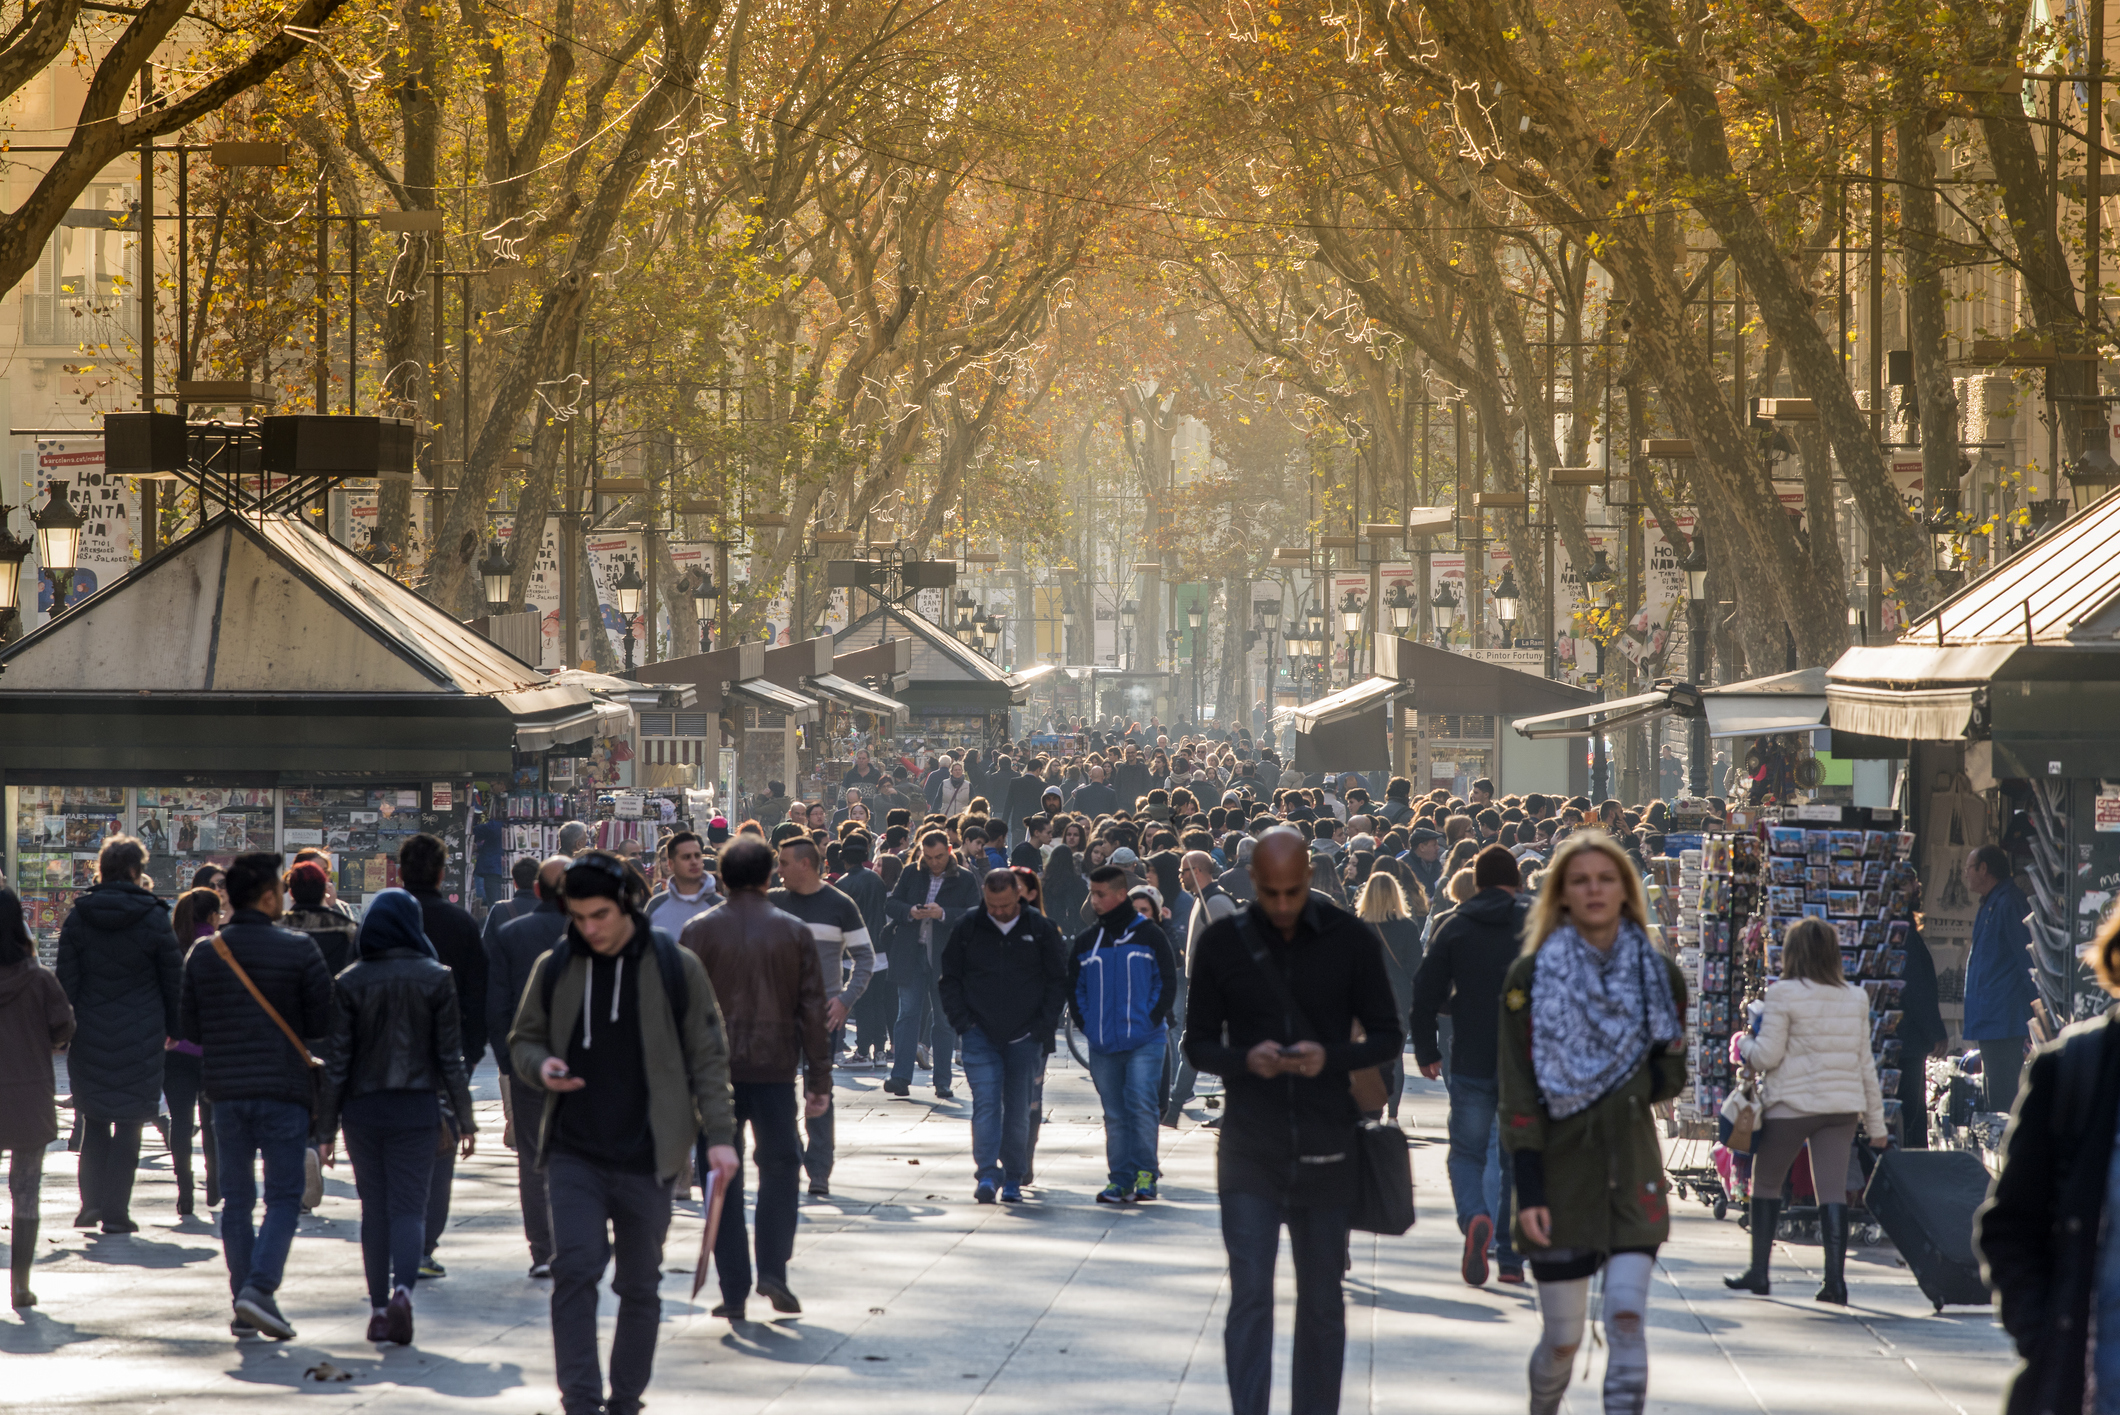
{"x":1117,"y":991}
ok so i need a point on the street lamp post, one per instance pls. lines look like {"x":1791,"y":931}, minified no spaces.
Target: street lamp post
{"x":1443,"y":608}
{"x":1506,"y":599}
{"x":498,"y":575}
{"x":14,"y":550}
{"x":59,"y":541}
{"x":1352,"y":610}
{"x":1194,"y":616}
{"x":1696,"y":567}
{"x":1268,"y":612}
{"x":1127,"y":611}
{"x":1399,"y":604}
{"x":627,"y":592}
{"x":704,"y":593}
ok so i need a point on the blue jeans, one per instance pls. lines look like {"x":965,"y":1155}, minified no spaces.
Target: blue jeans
{"x":1479,"y":1181}
{"x":1317,"y":1241}
{"x":916,"y":993}
{"x":1129,"y":1084}
{"x":1000,"y":1078}
{"x":276,"y":1132}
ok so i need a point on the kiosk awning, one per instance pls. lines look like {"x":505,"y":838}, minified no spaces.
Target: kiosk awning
{"x":1370,"y":693}
{"x":596,"y":720}
{"x":1783,"y":702}
{"x":855,"y":696}
{"x":1596,"y":717}
{"x":775,"y":698}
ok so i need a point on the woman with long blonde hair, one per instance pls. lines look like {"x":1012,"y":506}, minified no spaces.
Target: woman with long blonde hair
{"x":1593,"y":1017}
{"x":1383,"y":906}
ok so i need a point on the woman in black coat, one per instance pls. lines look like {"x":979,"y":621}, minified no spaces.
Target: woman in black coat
{"x":1064,"y":889}
{"x":2038,"y":1233}
{"x":119,"y":964}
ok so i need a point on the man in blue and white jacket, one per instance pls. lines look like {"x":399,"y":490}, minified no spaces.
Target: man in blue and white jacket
{"x":1124,"y":980}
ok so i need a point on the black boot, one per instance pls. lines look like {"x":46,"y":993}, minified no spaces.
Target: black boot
{"x":186,"y":1204}
{"x":1833,"y":1235}
{"x":21,"y":1254}
{"x":1766,"y":1215}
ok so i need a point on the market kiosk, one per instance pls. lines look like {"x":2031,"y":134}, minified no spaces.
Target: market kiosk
{"x":953,"y":696}
{"x":2004,"y":700}
{"x":255,"y":686}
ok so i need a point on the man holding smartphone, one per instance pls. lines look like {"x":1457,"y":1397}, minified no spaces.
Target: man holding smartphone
{"x":923,"y":909}
{"x":620,"y":1027}
{"x":1276,"y":991}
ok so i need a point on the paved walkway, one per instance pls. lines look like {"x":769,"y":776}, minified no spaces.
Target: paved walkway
{"x":917,"y":1300}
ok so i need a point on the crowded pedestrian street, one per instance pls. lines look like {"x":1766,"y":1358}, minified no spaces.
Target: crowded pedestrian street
{"x":1004,"y":706}
{"x":918,"y":1301}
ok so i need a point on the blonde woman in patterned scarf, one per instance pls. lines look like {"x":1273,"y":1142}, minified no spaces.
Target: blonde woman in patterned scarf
{"x":1592,"y":1022}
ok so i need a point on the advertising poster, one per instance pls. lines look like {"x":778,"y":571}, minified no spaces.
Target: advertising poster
{"x":1575,"y":650}
{"x":107,"y":540}
{"x":1655,"y":641}
{"x":610,"y":552}
{"x":543,"y":595}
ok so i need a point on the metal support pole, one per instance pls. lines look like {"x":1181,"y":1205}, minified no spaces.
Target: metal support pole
{"x":146,"y":238}
{"x":1697,"y":729}
{"x":2094,"y":183}
{"x":353,"y":308}
{"x":323,"y":298}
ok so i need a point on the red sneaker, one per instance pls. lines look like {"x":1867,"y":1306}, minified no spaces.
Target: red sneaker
{"x":1478,"y":1234}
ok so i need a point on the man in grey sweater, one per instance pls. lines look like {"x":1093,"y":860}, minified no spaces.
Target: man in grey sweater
{"x":1210,"y":903}
{"x":841,"y":934}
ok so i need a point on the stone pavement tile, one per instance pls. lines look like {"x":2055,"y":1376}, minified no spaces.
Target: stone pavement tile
{"x":918,"y":1300}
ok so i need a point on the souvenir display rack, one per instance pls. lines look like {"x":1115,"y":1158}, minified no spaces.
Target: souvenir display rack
{"x":1718,"y":899}
{"x":1853,"y":867}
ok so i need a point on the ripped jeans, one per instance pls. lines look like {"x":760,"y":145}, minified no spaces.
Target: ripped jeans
{"x":1564,"y":1307}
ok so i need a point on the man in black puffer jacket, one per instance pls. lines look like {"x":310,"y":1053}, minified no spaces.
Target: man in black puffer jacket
{"x":257,"y":1079}
{"x":118,"y":962}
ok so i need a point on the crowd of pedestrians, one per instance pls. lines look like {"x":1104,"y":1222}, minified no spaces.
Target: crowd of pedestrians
{"x":1183,"y":910}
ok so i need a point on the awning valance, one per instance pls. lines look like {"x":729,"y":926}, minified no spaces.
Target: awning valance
{"x":775,"y":698}
{"x":1362,"y":697}
{"x":1905,"y":715}
{"x":858,"y":697}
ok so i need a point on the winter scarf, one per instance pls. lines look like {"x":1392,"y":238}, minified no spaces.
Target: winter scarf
{"x":1594,"y":1015}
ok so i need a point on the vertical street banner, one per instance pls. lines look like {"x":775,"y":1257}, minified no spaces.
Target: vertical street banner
{"x":1575,"y":649}
{"x":1655,"y":641}
{"x":543,"y":593}
{"x":107,"y":540}
{"x":609,"y":554}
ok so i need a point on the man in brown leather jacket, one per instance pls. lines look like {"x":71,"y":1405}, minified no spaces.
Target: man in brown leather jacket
{"x":766,"y":976}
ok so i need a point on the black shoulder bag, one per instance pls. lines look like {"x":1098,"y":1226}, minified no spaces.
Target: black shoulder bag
{"x":1383,"y":1163}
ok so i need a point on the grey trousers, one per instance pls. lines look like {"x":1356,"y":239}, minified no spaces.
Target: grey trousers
{"x":527,"y":1105}
{"x":599,"y":1213}
{"x":1780,"y":1137}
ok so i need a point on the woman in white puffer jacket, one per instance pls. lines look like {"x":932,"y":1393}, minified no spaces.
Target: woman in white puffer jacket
{"x":1813,"y":1051}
